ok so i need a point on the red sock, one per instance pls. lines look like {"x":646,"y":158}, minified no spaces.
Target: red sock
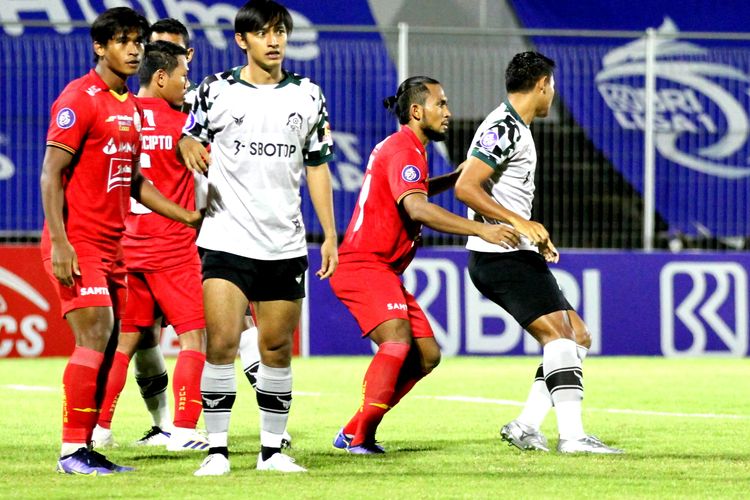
{"x":378,"y":387}
{"x":186,"y":387}
{"x":411,"y":373}
{"x":79,"y":395}
{"x":118,"y":374}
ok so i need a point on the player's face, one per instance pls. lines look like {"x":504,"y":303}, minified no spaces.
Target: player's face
{"x":546,"y":97}
{"x":436,"y":115}
{"x":175,"y":39}
{"x":266,"y":47}
{"x":177,"y":83}
{"x":122,"y":54}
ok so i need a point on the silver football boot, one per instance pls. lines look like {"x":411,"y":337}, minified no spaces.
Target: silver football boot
{"x":523,"y":437}
{"x":587,"y":444}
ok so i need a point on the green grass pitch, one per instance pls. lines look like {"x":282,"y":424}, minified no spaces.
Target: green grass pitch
{"x":685,"y":424}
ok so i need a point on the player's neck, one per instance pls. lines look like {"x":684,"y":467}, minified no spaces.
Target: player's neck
{"x":114,"y":81}
{"x":524,"y":105}
{"x":417,"y":129}
{"x":147,"y":91}
{"x":257,"y":75}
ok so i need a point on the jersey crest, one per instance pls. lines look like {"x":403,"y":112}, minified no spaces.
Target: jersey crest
{"x":410,"y":173}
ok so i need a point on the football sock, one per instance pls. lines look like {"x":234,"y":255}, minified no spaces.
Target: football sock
{"x":79,"y":397}
{"x":564,"y":378}
{"x":274,"y":394}
{"x":249,"y":354}
{"x":411,"y":373}
{"x":186,"y":388}
{"x":582,"y":352}
{"x":118,"y":374}
{"x":378,"y":388}
{"x":218,"y":389}
{"x":538,"y":403}
{"x":151,"y":376}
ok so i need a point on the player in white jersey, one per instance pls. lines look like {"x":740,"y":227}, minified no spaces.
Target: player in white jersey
{"x":497,"y":184}
{"x":266,"y":128}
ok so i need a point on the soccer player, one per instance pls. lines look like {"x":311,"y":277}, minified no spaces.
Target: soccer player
{"x":148,"y":362}
{"x":89,"y":172}
{"x":164,"y":273}
{"x":497,"y":184}
{"x":379,"y":244}
{"x":266,"y":127}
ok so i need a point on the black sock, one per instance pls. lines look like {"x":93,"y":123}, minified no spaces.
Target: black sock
{"x":222,"y":450}
{"x":267,"y":452}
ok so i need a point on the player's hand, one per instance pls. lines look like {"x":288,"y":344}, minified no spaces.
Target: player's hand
{"x":549,"y":252}
{"x":65,"y":263}
{"x":193,"y":155}
{"x":194,"y":218}
{"x":532,"y":230}
{"x":500,"y":234}
{"x":329,"y":259}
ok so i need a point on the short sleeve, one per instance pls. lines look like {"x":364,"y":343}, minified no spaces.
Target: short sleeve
{"x":407,"y":173}
{"x":71,"y":119}
{"x":497,"y":143}
{"x":197,"y":121}
{"x":318,"y":147}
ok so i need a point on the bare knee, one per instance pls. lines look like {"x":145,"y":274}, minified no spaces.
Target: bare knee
{"x":193,"y":340}
{"x":275,"y":350}
{"x":429,"y":353}
{"x":430,"y":362}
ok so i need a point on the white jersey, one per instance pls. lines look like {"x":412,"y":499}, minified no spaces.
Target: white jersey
{"x":261,"y":138}
{"x":504,"y":142}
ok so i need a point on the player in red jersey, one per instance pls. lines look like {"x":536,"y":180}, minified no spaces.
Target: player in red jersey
{"x":90,"y":170}
{"x":164,"y":271}
{"x":379,"y":244}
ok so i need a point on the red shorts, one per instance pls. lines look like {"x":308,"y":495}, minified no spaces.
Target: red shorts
{"x":175,"y":293}
{"x":101,"y":284}
{"x":375,"y":294}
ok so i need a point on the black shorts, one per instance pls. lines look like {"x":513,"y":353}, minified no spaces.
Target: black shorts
{"x":519,"y":282}
{"x":259,"y":280}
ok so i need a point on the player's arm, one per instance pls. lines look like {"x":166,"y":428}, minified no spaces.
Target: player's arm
{"x":147,"y":194}
{"x":321,"y":194}
{"x":470,"y":190}
{"x":421,"y":210}
{"x":193,"y":154}
{"x":437,"y":185}
{"x":64,"y":258}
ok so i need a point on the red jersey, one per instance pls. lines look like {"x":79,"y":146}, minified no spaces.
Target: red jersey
{"x":380,"y":229}
{"x":101,"y":129}
{"x":153,"y":242}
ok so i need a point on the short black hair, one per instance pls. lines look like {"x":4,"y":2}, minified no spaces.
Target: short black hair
{"x":118,"y":20}
{"x":411,"y":91}
{"x":525,"y":69}
{"x":159,"y":55}
{"x":173,"y":27}
{"x":255,"y":14}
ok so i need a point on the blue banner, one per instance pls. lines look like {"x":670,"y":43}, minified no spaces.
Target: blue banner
{"x":355,"y":71}
{"x":635,"y":304}
{"x":701,"y":102}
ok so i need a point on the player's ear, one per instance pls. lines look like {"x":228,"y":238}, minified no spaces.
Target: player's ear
{"x":99,"y":49}
{"x":190,"y":53}
{"x":415,"y":111}
{"x":239,"y":38}
{"x":161,"y":77}
{"x":543,"y":84}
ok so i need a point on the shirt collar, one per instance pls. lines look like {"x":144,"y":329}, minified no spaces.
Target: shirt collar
{"x":410,"y":133}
